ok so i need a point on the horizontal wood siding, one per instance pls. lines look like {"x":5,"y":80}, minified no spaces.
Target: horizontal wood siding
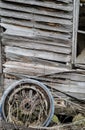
{"x":72,"y":82}
{"x":46,"y":26}
{"x":37,"y":43}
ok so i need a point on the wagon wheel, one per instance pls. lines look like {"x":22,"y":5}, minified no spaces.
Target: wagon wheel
{"x":29,"y":103}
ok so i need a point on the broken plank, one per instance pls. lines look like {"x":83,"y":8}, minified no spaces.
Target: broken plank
{"x":30,"y":69}
{"x":74,"y":76}
{"x":37,"y":25}
{"x":34,"y":33}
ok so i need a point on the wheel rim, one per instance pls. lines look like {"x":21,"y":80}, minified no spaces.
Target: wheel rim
{"x":29,"y":103}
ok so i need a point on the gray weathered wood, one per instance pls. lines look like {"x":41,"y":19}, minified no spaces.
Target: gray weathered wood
{"x":0,"y":60}
{"x":38,"y":25}
{"x":38,"y":46}
{"x":75,"y":29}
{"x":30,"y":69}
{"x":45,"y":4}
{"x":37,"y":10}
{"x":34,"y":33}
{"x":58,"y":42}
{"x":66,"y":82}
{"x":20,"y":52}
{"x":37,"y":18}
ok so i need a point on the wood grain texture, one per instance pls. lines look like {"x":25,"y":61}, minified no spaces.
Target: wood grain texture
{"x":0,"y":52}
{"x":41,"y":29}
{"x":45,"y":4}
{"x":49,"y":55}
{"x":67,"y":82}
{"x":30,"y":69}
{"x":38,"y":43}
{"x":30,"y":9}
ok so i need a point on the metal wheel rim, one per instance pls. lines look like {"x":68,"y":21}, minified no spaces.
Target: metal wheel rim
{"x":42,"y":86}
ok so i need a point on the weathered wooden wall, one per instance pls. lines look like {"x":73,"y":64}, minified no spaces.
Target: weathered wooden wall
{"x":38,"y":42}
{"x":42,"y":27}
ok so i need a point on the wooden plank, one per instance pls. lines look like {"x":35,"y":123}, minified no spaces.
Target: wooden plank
{"x":66,"y":1}
{"x":0,"y":52}
{"x":45,"y":4}
{"x":75,"y":29}
{"x":34,"y":60}
{"x":34,"y":33}
{"x":1,"y":72}
{"x":15,"y":51}
{"x":66,"y":88}
{"x":77,"y":77}
{"x":78,"y":95}
{"x":32,"y":17}
{"x":59,"y":78}
{"x":38,"y":46}
{"x":58,"y":42}
{"x":8,"y":82}
{"x":19,"y":68}
{"x":80,"y":66}
{"x":62,"y":81}
{"x":37,"y":10}
{"x":80,"y":31}
{"x":0,"y":60}
{"x":37,"y":25}
{"x":59,"y":1}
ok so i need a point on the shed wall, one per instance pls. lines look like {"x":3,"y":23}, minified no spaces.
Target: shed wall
{"x":38,"y":43}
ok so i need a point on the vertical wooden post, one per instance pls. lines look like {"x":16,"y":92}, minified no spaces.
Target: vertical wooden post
{"x":0,"y":52}
{"x":1,"y":72}
{"x":75,"y":30}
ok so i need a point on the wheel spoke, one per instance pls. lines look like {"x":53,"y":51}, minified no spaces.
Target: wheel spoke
{"x":23,"y":93}
{"x":30,"y":94}
{"x":35,"y":97}
{"x":34,"y":104}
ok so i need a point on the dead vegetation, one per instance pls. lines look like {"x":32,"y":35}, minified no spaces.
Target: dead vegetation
{"x":69,"y":115}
